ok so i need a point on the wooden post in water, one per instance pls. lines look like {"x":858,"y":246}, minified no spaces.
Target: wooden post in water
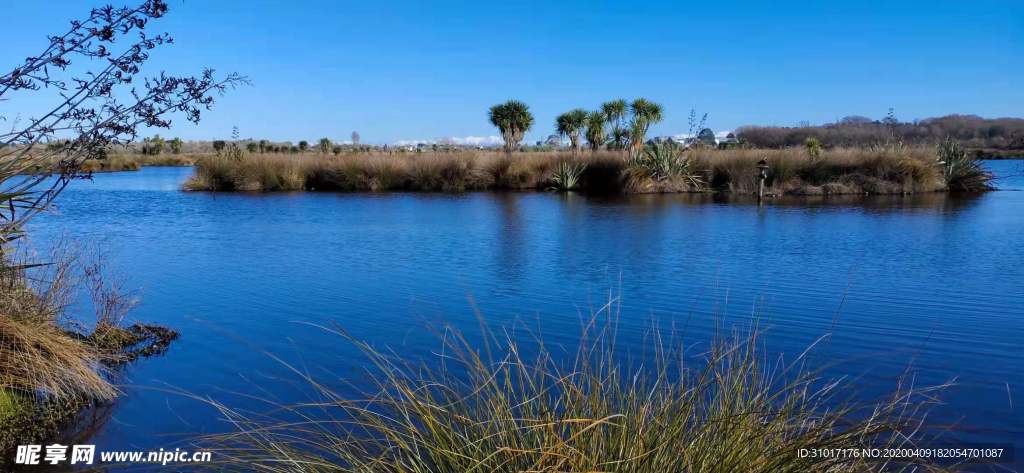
{"x":762,"y":166}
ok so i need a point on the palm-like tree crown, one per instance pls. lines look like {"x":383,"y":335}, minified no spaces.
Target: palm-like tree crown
{"x":649,"y":111}
{"x":570,"y":124}
{"x":614,"y":111}
{"x":595,"y":129}
{"x":644,"y":113}
{"x":513,"y":119}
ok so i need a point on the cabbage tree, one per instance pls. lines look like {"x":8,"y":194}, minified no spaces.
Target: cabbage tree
{"x":571,"y":124}
{"x":645,"y":113}
{"x":615,"y":112}
{"x":513,"y":119}
{"x":595,"y":129}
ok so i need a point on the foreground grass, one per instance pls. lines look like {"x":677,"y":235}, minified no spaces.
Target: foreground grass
{"x":50,"y":366}
{"x":503,"y":406}
{"x":888,"y":170}
{"x":11,"y":405}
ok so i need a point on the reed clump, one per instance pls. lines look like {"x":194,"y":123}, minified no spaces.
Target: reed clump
{"x":504,"y":406}
{"x":52,"y":365}
{"x":46,"y":372}
{"x":37,"y":353}
{"x":812,"y":171}
{"x":657,"y":168}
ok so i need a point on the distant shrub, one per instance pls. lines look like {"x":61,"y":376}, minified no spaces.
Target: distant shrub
{"x":303,"y":146}
{"x":706,"y":137}
{"x":175,"y":145}
{"x":969,"y":130}
{"x":324,"y":145}
{"x":252,"y":147}
{"x":234,"y":152}
{"x":218,"y":145}
{"x":153,"y":146}
{"x":813,"y":147}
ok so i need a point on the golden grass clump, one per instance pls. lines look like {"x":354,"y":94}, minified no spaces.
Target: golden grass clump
{"x":38,"y":355}
{"x":51,"y":365}
{"x":42,"y":357}
{"x":506,"y":406}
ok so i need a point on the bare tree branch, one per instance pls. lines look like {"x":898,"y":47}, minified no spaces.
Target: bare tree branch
{"x":96,"y":110}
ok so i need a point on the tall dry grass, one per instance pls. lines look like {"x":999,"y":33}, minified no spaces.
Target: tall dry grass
{"x":38,"y":354}
{"x":52,"y":363}
{"x":502,"y":406}
{"x":434,"y":172}
{"x":47,"y":373}
{"x":880,"y":170}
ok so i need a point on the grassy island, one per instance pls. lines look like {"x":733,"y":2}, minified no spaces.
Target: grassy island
{"x":657,"y":168}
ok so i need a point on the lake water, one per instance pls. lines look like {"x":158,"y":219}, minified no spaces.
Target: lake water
{"x":934,"y":280}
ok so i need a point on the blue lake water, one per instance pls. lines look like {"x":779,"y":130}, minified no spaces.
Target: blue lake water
{"x":932,"y":280}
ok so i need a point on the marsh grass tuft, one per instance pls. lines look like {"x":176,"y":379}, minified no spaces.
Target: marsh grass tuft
{"x":51,"y":364}
{"x":961,"y":170}
{"x":500,"y":405}
{"x":37,"y":352}
{"x":664,"y":168}
{"x":566,"y":176}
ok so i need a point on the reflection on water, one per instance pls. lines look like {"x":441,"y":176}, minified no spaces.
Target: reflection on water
{"x":939,"y":202}
{"x":510,"y":248}
{"x":934,"y":279}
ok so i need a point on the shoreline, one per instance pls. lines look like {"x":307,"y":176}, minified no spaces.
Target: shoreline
{"x":998,"y":155}
{"x":135,"y":162}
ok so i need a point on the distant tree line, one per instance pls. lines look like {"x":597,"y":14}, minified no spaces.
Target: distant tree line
{"x":322,"y":146}
{"x":970,"y":131}
{"x":156,"y":145}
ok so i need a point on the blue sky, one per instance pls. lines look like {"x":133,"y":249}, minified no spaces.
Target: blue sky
{"x":425,"y":70}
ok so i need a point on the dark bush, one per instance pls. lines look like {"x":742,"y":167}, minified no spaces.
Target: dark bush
{"x":969,"y":130}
